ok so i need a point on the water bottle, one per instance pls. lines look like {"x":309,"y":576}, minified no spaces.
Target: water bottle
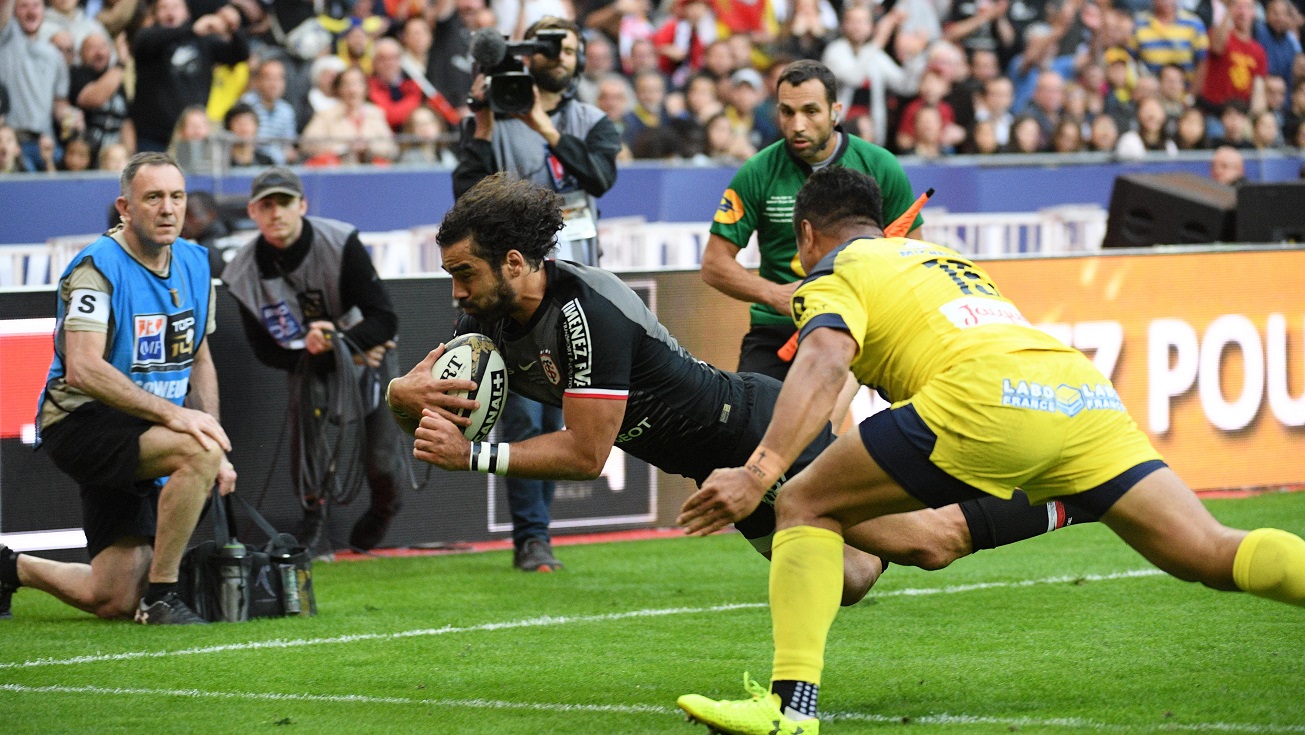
{"x":233,"y":582}
{"x":289,"y":586}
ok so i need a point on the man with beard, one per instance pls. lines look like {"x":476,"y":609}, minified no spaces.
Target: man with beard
{"x":569,"y":147}
{"x":578,"y":338}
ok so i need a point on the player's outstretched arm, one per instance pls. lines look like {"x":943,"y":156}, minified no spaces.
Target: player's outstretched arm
{"x":809,"y":394}
{"x":409,"y":395}
{"x":722,"y":271}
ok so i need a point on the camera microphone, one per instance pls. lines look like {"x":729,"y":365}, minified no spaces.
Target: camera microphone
{"x":488,"y":48}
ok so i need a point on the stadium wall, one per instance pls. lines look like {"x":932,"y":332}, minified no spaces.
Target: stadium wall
{"x":1206,"y":348}
{"x":37,"y":207}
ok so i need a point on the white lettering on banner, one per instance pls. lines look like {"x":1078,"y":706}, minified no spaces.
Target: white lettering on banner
{"x":973,"y":311}
{"x":1177,"y":359}
{"x":1100,"y":341}
{"x":1290,"y":411}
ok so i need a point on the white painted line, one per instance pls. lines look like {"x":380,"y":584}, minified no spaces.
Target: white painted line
{"x":544,"y":621}
{"x":939,"y":719}
{"x":66,"y":538}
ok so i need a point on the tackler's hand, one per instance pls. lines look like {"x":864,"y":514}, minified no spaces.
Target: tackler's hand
{"x":728,"y":495}
{"x":441,"y":443}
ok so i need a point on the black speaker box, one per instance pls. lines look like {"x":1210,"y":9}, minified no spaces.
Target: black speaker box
{"x":1271,"y":212}
{"x":1169,"y":209}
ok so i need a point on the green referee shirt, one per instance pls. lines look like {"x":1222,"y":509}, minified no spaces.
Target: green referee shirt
{"x":761,"y":196}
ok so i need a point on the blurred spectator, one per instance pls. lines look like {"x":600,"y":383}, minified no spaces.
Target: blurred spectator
{"x":191,"y":144}
{"x":984,"y":65}
{"x":981,"y":25}
{"x":1236,"y":126}
{"x":928,"y":138}
{"x":96,"y":87}
{"x":1105,"y":134}
{"x":809,"y":28}
{"x":1047,"y":102}
{"x":415,"y":39}
{"x":1265,"y":132}
{"x":747,"y":18}
{"x":242,"y":123}
{"x":77,"y":155}
{"x":11,"y":155}
{"x":983,"y":138}
{"x":745,"y":96}
{"x":1237,"y":64}
{"x":723,"y":143}
{"x":1295,"y":112}
{"x":277,"y":124}
{"x":719,"y":63}
{"x":389,"y":88}
{"x":920,"y":23}
{"x":353,"y":131}
{"x":865,"y":72}
{"x":47,"y":151}
{"x":1067,"y":137}
{"x":647,"y":112}
{"x":1298,"y":140}
{"x":448,"y":65}
{"x":635,"y":28}
{"x":1227,"y":166}
{"x":357,"y":44}
{"x":1189,"y":134}
{"x":1076,"y":108}
{"x":642,"y":57}
{"x":203,"y":225}
{"x":1039,"y":55}
{"x":1169,"y":35}
{"x":948,"y":61}
{"x":681,"y":40}
{"x":998,"y":96}
{"x":1279,"y":35}
{"x":1025,"y":136}
{"x":615,"y":98}
{"x":701,"y":101}
{"x":933,"y":88}
{"x":420,"y":140}
{"x":174,"y":67}
{"x":1119,"y":88}
{"x":62,"y":41}
{"x":600,"y":60}
{"x":68,"y":15}
{"x":113,"y":157}
{"x":325,"y":70}
{"x":1173,"y":91}
{"x":36,"y":76}
{"x":515,"y":16}
{"x":1275,"y":97}
{"x":1148,"y":133}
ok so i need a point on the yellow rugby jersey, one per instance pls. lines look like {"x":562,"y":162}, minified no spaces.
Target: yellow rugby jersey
{"x":914,"y":308}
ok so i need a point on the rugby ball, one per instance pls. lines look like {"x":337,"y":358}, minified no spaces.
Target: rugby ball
{"x":474,"y":357}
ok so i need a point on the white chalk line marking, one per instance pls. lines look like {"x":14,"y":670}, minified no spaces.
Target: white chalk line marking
{"x":544,"y":621}
{"x":641,"y":709}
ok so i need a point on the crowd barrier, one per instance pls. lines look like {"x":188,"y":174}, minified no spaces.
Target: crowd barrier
{"x":1206,"y":347}
{"x":37,"y":207}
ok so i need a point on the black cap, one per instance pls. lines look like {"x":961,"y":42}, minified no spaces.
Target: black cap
{"x":276,"y":180}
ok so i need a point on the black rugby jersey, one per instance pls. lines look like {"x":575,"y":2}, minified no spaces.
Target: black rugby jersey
{"x":593,"y":337}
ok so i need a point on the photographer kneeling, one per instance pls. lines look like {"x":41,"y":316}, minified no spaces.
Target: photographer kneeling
{"x":560,"y":143}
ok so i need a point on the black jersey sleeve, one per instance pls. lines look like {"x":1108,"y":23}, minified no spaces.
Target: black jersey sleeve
{"x":600,"y":344}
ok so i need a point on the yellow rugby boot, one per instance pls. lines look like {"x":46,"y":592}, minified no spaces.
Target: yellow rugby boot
{"x":758,"y":715}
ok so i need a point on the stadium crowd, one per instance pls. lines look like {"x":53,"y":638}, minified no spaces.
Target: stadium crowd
{"x":218,"y":83}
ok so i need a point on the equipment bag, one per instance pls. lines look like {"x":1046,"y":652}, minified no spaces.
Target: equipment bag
{"x":225,"y":580}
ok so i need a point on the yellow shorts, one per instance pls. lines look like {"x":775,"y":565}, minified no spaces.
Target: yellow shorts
{"x":1046,"y":422}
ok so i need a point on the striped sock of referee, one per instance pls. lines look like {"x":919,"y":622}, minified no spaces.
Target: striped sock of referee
{"x":995,"y":522}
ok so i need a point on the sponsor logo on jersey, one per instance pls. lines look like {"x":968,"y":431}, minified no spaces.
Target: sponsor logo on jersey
{"x":730,"y":210}
{"x":976,"y":311}
{"x":280,"y":321}
{"x":549,"y":367}
{"x":1062,"y":398}
{"x":578,"y":344}
{"x":168,"y":389}
{"x":635,"y":431}
{"x":163,"y":340}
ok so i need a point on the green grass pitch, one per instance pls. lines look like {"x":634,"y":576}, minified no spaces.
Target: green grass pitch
{"x":1069,"y":633}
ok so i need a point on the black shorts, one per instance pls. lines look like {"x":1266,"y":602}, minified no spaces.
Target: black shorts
{"x":901,"y":442}
{"x":99,"y":448}
{"x":760,"y":348}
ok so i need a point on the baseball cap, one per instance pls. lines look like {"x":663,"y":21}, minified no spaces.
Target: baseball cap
{"x":276,"y":180}
{"x":747,"y":76}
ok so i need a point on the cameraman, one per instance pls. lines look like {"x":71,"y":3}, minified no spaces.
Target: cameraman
{"x":570,"y":147}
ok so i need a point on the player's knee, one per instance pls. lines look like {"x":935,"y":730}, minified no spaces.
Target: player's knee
{"x":117,"y":604}
{"x":860,"y":572}
{"x":931,"y":558}
{"x":205,"y":461}
{"x":793,"y":508}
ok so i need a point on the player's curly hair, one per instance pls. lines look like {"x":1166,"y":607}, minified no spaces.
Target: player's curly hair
{"x":502,"y":213}
{"x":837,"y":196}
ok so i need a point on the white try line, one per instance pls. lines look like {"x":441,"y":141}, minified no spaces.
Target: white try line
{"x":543,"y":621}
{"x":640,"y":709}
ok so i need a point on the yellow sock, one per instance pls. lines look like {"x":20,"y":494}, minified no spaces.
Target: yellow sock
{"x":806,"y":584}
{"x":1269,"y":563}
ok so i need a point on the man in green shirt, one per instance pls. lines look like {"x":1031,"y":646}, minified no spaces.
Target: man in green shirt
{"x":760,"y":199}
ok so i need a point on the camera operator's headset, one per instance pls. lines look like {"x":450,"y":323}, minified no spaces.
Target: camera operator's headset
{"x":552,"y":23}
